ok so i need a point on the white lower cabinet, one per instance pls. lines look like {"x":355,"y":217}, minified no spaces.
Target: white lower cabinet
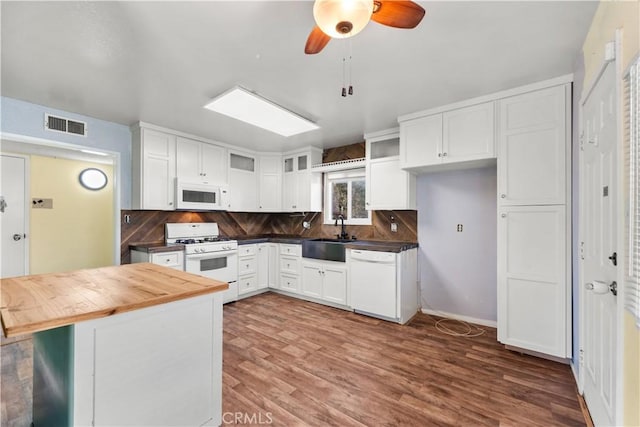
{"x":172,"y":259}
{"x":289,"y":267}
{"x":334,"y":286}
{"x":267,"y":265}
{"x":533,"y":278}
{"x":325,"y":280}
{"x":312,"y":279}
{"x":247,"y":269}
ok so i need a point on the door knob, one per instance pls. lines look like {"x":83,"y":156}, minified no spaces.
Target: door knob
{"x":600,"y":288}
{"x":17,"y":237}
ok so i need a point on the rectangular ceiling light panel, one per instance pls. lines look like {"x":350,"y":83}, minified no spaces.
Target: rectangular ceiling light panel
{"x":248,"y":107}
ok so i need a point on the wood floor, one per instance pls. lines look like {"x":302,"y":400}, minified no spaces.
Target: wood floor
{"x":288,"y":362}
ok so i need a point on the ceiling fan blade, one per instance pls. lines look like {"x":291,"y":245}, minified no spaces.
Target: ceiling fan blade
{"x":316,"y":42}
{"x":399,"y":14}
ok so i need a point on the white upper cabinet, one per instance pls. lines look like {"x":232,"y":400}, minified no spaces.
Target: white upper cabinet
{"x":388,"y":186}
{"x":463,"y":137}
{"x":154,"y":169}
{"x":468,"y":133}
{"x":302,"y":189}
{"x":533,"y":148}
{"x":243,"y":182}
{"x":421,"y":142}
{"x":214,"y":163}
{"x":200,"y":162}
{"x":270,"y":184}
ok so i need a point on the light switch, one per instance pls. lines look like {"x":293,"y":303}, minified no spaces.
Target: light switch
{"x":37,"y":203}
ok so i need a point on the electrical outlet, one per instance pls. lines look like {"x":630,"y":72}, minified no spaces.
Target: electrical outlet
{"x":394,"y":227}
{"x":459,"y":228}
{"x":127,"y":219}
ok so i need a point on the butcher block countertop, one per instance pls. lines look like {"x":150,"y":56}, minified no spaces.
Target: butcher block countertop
{"x":45,"y":301}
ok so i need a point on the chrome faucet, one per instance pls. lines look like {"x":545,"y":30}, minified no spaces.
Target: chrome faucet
{"x":343,"y":231}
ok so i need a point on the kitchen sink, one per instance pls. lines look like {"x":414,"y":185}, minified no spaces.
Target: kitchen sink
{"x":325,"y":249}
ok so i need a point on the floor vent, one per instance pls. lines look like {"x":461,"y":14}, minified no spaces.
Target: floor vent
{"x":60,"y":124}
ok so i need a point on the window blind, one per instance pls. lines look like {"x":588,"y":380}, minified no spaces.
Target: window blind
{"x":632,"y":165}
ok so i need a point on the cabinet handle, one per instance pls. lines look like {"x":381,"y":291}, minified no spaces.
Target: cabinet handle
{"x":503,"y":196}
{"x":504,"y":215}
{"x":439,"y":154}
{"x":204,"y":174}
{"x":247,"y":265}
{"x":168,"y":260}
{"x":170,"y":203}
{"x":444,"y":154}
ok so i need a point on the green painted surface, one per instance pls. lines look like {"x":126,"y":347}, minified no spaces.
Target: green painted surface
{"x":53,"y":377}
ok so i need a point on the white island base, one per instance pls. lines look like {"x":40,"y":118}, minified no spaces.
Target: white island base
{"x":156,"y":366}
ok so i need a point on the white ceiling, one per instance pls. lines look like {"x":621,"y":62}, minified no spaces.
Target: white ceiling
{"x":160,"y":62}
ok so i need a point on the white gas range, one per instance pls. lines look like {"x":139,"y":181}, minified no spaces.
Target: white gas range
{"x":206,"y":253}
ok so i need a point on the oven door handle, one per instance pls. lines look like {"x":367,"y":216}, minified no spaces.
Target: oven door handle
{"x":218,"y":254}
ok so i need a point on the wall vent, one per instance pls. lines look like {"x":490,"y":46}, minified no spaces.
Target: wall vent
{"x":61,"y":124}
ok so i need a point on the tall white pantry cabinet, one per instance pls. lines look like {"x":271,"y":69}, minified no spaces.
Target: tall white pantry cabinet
{"x":534,"y":214}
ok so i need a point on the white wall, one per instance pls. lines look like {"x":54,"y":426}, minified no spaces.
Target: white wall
{"x":79,"y":231}
{"x":458,"y":269}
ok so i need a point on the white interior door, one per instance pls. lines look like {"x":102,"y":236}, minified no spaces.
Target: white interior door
{"x":598,"y":229}
{"x":14,"y":216}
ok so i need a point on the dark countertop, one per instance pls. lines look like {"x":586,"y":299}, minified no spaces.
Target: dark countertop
{"x":157,"y":247}
{"x":381,"y":246}
{"x":367,"y":245}
{"x":273,"y":238}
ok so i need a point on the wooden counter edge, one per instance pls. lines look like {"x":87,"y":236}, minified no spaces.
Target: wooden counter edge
{"x":30,"y":328}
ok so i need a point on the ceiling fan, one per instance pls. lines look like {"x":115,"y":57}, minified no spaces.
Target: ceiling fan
{"x":346,"y":18}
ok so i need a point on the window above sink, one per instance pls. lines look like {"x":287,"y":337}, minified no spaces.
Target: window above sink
{"x":345,"y":194}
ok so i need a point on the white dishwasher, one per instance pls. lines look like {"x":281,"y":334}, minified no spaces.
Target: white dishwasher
{"x":373,"y":283}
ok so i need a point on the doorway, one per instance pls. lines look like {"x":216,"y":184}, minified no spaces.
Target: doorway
{"x":71,"y":226}
{"x":14,"y":216}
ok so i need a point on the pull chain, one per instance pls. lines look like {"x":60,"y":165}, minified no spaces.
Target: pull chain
{"x":347,"y":53}
{"x":350,"y":65}
{"x":344,"y":90}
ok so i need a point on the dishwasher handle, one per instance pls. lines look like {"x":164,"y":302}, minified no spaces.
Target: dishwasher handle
{"x":373,"y":256}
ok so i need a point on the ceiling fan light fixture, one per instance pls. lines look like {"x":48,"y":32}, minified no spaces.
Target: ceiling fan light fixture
{"x":342,"y":18}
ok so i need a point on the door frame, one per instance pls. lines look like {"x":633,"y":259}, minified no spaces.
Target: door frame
{"x":27,"y":205}
{"x":113,"y":155}
{"x":621,"y":247}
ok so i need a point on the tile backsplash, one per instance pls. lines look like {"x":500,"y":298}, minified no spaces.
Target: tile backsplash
{"x":148,"y":226}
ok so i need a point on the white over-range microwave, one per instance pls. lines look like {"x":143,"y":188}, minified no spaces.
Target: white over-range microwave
{"x":200,"y":196}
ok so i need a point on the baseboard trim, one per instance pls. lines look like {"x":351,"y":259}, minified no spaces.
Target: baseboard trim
{"x":515,"y":349}
{"x":576,"y":377}
{"x":483,"y":322}
{"x":585,"y":411}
